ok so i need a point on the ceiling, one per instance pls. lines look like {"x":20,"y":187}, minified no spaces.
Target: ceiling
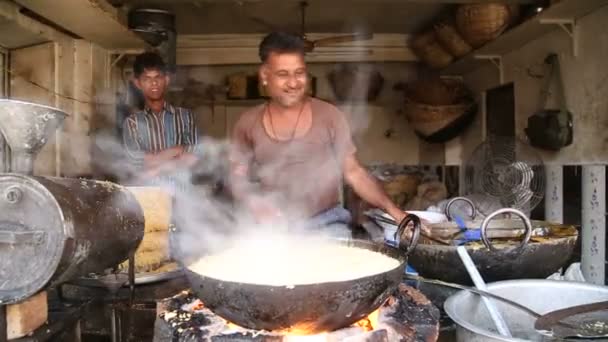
{"x":322,"y":16}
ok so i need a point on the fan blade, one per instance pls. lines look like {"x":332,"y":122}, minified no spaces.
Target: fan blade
{"x":343,"y":39}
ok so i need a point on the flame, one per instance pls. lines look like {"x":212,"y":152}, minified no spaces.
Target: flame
{"x":370,"y":322}
{"x":322,"y":337}
{"x":232,"y":325}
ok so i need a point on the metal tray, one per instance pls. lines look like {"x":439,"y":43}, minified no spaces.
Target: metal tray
{"x":148,"y":278}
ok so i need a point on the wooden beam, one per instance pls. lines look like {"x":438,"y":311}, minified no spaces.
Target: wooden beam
{"x":202,"y":2}
{"x":19,"y":30}
{"x":226,"y":49}
{"x":94,"y":20}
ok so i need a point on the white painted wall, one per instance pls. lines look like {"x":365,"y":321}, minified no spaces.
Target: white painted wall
{"x":586,"y":87}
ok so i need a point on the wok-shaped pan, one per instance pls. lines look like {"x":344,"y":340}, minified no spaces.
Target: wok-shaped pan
{"x":536,"y":256}
{"x":309,"y":308}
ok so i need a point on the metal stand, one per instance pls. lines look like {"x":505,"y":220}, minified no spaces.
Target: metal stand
{"x":3,"y":324}
{"x":594,"y":224}
{"x":554,"y":194}
{"x":569,"y":26}
{"x":131,"y":278}
{"x":497,"y":61}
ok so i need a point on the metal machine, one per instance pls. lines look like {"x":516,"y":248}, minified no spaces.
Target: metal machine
{"x":52,"y":229}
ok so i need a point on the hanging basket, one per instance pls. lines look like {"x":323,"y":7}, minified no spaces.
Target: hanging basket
{"x":480,"y":23}
{"x":430,"y":121}
{"x":436,"y":91}
{"x":427,"y":48}
{"x":355,"y":82}
{"x":449,"y":38}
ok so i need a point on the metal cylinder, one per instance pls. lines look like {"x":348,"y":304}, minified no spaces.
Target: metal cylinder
{"x":22,"y":162}
{"x":56,"y":229}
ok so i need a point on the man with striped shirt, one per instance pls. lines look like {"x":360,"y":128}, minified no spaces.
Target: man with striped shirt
{"x":161,"y":139}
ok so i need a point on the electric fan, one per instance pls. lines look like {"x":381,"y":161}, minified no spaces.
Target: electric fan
{"x":504,"y":172}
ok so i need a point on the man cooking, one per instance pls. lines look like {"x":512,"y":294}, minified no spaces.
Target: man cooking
{"x":297,"y":148}
{"x":160,"y":139}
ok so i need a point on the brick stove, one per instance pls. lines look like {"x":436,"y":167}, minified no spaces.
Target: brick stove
{"x":407,"y":316}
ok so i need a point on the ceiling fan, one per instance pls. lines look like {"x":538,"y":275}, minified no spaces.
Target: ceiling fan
{"x":322,"y":42}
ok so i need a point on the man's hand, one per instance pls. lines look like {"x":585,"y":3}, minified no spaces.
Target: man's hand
{"x":152,"y":160}
{"x":264,"y":212}
{"x":167,"y":161}
{"x":398,"y":215}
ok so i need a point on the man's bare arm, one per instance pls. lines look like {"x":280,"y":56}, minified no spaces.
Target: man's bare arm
{"x":368,"y":188}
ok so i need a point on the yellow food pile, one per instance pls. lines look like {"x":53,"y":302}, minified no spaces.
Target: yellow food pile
{"x":152,"y":254}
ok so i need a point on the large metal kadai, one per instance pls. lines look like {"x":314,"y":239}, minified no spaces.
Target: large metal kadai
{"x":55,"y":229}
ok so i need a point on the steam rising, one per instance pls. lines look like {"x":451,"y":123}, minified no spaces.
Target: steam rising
{"x":206,"y":220}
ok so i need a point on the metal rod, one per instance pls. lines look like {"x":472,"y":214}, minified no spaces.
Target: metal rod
{"x":499,"y":321}
{"x":4,"y":162}
{"x":594,"y":224}
{"x":113,"y":324}
{"x":476,"y":291}
{"x":3,"y":324}
{"x":131,"y":279}
{"x":554,"y":194}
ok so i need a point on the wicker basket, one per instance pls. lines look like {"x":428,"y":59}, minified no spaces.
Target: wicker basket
{"x":436,"y":91}
{"x":427,"y":120}
{"x":451,"y":40}
{"x":480,"y":23}
{"x":430,"y":51}
{"x":355,"y":82}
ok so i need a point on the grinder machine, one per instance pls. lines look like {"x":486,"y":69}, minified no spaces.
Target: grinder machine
{"x":53,"y":229}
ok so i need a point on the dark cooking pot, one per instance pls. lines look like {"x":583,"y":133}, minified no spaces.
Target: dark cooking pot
{"x":309,"y":308}
{"x":536,"y":257}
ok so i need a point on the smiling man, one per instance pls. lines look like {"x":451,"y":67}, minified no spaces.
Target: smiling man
{"x":290,"y":154}
{"x":160,"y":140}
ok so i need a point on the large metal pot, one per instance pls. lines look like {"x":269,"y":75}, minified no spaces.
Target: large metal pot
{"x":309,"y":308}
{"x":495,"y":260}
{"x":542,"y":296}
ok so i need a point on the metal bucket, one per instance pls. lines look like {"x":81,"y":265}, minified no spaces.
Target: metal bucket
{"x":474,"y":323}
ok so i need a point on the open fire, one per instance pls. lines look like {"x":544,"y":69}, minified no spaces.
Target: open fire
{"x":406,"y":316}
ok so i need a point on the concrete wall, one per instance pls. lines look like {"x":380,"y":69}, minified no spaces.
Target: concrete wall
{"x":371,"y":121}
{"x":586,"y":87}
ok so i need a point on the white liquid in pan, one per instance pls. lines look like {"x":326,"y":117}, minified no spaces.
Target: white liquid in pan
{"x":281,"y":263}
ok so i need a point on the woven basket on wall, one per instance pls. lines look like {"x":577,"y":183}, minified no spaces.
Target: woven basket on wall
{"x":451,"y":40}
{"x":480,"y":23}
{"x":355,"y":82}
{"x":428,"y":49}
{"x":437,"y":91}
{"x":429,"y":119}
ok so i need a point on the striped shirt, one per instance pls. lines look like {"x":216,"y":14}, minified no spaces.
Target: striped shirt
{"x":148,"y":132}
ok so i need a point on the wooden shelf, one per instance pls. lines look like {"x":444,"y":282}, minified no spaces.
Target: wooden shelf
{"x":253,"y":102}
{"x":525,"y":32}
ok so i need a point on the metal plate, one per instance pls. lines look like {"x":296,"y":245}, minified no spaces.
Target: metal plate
{"x":148,"y":278}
